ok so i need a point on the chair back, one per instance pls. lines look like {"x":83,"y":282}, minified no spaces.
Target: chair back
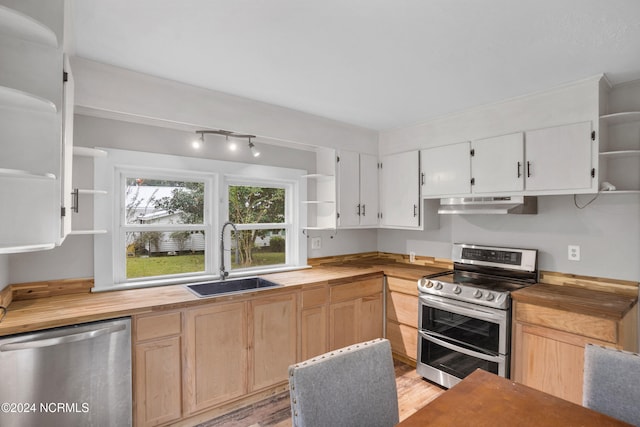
{"x":612,"y":382}
{"x":351,"y":387}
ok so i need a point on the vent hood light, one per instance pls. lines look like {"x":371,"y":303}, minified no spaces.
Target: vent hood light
{"x":489,"y":205}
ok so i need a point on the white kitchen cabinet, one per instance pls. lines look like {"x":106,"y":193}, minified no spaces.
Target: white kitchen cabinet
{"x":400,"y":190}
{"x":358,"y":190}
{"x":32,"y":106}
{"x":497,"y":164}
{"x":560,"y":158}
{"x":446,"y":170}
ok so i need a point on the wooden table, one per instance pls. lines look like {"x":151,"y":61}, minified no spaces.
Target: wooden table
{"x":485,"y":399}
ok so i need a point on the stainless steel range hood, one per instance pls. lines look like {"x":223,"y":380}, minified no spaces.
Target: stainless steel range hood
{"x":489,"y":205}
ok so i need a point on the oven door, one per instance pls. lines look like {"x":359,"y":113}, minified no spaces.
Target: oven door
{"x":456,"y":338}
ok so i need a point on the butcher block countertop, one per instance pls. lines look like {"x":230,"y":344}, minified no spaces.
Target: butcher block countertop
{"x":26,"y":315}
{"x":577,"y":300}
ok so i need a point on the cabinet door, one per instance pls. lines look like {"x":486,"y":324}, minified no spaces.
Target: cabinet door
{"x":272,"y":335}
{"x":216,"y":355}
{"x":313,"y":332}
{"x":368,"y":190}
{"x":343,"y":324}
{"x":370,"y":318}
{"x":67,"y":149}
{"x":446,"y":170}
{"x":400,"y":190}
{"x":559,"y":158}
{"x":497,"y":164}
{"x":158,"y":382}
{"x":349,"y":189}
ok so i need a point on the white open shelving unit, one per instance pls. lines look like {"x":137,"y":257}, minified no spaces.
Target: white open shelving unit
{"x":88,"y":152}
{"x":620,"y":152}
{"x":321,"y":186}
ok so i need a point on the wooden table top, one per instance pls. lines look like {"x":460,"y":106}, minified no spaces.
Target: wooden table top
{"x":485,"y":399}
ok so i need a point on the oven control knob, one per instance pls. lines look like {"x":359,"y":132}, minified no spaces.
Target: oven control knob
{"x":490,"y":296}
{"x":477,"y":293}
{"x":457,"y":289}
{"x":425,"y":283}
{"x":438,"y":286}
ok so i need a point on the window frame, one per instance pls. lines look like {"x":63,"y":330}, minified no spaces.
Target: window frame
{"x":289,"y":225}
{"x":120,"y":241}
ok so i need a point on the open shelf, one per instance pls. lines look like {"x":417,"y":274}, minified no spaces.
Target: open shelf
{"x":16,"y":173}
{"x":88,"y":191}
{"x":318,"y":176}
{"x":14,"y":98}
{"x":8,"y":249}
{"x":616,"y":118}
{"x":86,"y":232}
{"x":317,"y":202}
{"x":88,"y":152}
{"x":621,"y":192}
{"x":19,"y":25}
{"x":620,"y":154}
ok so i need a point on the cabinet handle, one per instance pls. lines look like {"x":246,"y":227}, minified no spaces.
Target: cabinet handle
{"x":528,"y":169}
{"x":415,"y":211}
{"x":358,"y":209}
{"x":75,"y":200}
{"x":364,"y":209}
{"x":519,"y":167}
{"x":422,"y":178}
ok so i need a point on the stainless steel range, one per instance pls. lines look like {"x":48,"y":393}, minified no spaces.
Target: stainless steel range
{"x":465,"y":314}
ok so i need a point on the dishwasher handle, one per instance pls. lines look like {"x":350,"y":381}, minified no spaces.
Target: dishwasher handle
{"x":64,"y":339}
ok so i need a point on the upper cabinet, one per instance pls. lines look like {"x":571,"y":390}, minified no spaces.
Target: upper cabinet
{"x":446,"y":170}
{"x":32,"y":106}
{"x":555,"y":160}
{"x":400,"y":190}
{"x":620,"y":152}
{"x":358,"y":190}
{"x":560,"y":158}
{"x":321,"y":192}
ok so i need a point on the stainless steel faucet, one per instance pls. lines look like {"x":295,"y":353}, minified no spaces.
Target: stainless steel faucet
{"x":223,"y":272}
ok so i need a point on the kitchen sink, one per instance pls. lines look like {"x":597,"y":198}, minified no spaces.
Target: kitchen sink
{"x":233,"y":286}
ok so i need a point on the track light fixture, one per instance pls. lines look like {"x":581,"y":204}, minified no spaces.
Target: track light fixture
{"x":230,"y":140}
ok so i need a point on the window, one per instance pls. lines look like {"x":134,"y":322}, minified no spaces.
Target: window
{"x":163,"y":229}
{"x":163,"y":215}
{"x":261,"y":213}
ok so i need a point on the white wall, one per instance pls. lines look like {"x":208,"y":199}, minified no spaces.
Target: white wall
{"x":4,"y":271}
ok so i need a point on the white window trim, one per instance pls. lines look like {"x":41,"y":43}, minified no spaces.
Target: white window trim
{"x":107,"y":177}
{"x":291,"y":224}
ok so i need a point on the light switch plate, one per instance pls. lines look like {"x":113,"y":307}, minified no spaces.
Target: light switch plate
{"x":574,"y":253}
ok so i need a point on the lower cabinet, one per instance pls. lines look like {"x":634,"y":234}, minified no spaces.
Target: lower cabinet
{"x":314,"y":322}
{"x":198,"y":358}
{"x":402,"y":318}
{"x":157,"y":355}
{"x":548,"y":346}
{"x":355,"y":312}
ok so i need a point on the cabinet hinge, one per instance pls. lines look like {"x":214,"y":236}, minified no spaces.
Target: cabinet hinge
{"x":473,"y":152}
{"x":65,"y":77}
{"x":473,"y":181}
{"x":63,"y":211}
{"x":337,"y":215}
{"x":593,"y":172}
{"x":593,"y":135}
{"x":380,"y":165}
{"x":337,"y":159}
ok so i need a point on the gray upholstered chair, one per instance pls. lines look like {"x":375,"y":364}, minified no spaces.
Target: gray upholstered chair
{"x":612,"y":382}
{"x":353,"y":386}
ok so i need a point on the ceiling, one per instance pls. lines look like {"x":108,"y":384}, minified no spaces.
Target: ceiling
{"x":379,"y":64}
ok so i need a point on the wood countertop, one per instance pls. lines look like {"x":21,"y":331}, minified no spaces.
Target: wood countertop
{"x":578,"y":300}
{"x":61,"y":310}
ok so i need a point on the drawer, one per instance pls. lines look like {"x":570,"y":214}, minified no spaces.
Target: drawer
{"x":402,"y":308}
{"x":153,"y":326}
{"x":576,"y":323}
{"x":355,"y":290}
{"x":405,"y":286}
{"x":314,"y":297}
{"x":404,"y":340}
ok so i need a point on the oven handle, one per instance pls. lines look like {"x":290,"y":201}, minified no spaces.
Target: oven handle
{"x":478,"y":355}
{"x":478,"y":313}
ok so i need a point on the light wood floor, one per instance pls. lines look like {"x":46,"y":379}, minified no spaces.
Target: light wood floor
{"x":413,"y":393}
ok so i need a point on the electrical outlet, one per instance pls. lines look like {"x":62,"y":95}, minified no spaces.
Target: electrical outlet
{"x":574,"y":253}
{"x":316,"y":243}
{"x":412,"y":257}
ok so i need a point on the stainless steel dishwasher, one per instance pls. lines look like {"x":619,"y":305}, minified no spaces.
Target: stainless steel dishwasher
{"x":71,"y":376}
